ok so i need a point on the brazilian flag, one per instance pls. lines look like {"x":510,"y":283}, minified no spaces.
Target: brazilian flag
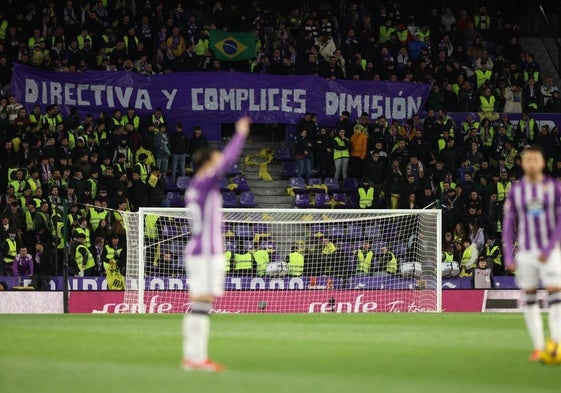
{"x":232,"y":46}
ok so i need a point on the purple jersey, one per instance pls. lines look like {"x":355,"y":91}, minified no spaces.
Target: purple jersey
{"x":204,"y":201}
{"x":536,"y":209}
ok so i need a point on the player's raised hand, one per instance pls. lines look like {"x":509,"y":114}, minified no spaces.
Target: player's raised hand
{"x":243,"y":125}
{"x":543,"y":258}
{"x":511,"y":268}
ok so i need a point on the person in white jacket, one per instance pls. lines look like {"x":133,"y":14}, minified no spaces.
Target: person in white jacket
{"x":326,"y":46}
{"x":513,"y":99}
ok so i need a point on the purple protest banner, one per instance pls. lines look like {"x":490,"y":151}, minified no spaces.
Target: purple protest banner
{"x":218,"y":97}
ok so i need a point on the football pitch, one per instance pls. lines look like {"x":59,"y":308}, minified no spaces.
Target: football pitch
{"x":273,"y":353}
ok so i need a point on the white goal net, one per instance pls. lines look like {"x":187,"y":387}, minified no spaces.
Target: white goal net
{"x":293,"y":261}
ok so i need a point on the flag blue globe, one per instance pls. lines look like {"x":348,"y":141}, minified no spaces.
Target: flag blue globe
{"x":230,"y":47}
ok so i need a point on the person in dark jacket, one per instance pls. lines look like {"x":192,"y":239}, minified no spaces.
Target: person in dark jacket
{"x":197,"y":141}
{"x":324,"y":154}
{"x":303,"y":155}
{"x":157,"y":189}
{"x":179,"y":147}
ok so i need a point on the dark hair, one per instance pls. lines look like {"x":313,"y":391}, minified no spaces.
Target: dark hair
{"x":202,"y":155}
{"x":534,"y":149}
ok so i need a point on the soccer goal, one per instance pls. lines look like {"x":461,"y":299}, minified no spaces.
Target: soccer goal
{"x":293,"y":261}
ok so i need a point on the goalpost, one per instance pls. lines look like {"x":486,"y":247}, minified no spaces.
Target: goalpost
{"x":292,"y":261}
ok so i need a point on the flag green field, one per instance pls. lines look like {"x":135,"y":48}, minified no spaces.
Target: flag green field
{"x":232,"y":46}
{"x":273,"y":353}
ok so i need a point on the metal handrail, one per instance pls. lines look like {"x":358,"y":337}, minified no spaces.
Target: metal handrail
{"x":556,"y":64}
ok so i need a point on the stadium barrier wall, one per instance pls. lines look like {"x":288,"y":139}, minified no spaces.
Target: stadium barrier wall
{"x":256,"y":283}
{"x":30,"y":302}
{"x":307,"y":301}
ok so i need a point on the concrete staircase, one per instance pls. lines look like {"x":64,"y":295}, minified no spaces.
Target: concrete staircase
{"x":536,"y":46}
{"x":268,"y":194}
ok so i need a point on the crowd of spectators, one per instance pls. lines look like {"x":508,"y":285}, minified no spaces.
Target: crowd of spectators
{"x":471,"y":56}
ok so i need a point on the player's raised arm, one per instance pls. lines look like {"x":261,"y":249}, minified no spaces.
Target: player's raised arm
{"x":234,"y":148}
{"x":556,"y":236}
{"x":509,"y":218}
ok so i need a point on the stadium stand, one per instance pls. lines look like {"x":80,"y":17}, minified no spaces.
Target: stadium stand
{"x":472,"y":57}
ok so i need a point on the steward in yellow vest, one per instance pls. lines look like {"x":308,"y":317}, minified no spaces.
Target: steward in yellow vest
{"x":482,"y":75}
{"x":366,"y":196}
{"x":95,"y":215}
{"x":295,"y":262}
{"x":243,"y":264}
{"x":83,"y":257}
{"x":10,"y":249}
{"x":142,"y":168}
{"x":341,"y":149}
{"x":228,"y":261}
{"x":113,"y":253}
{"x":388,"y":261}
{"x":492,"y":252}
{"x":262,"y":259}
{"x":364,"y":257}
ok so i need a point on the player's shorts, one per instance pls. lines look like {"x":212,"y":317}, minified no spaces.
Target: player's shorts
{"x":206,"y":275}
{"x":530,"y":272}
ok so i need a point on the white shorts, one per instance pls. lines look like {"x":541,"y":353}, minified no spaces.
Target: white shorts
{"x":205,"y":275}
{"x":530,"y":272}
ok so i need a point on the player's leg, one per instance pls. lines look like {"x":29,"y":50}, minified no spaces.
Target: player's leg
{"x":527,"y":279}
{"x":551,"y":278}
{"x":206,"y":282}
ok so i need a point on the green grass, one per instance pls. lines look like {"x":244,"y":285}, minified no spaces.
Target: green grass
{"x":273,"y":353}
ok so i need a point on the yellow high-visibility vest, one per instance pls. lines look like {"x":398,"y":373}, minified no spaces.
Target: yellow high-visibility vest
{"x":364,"y":261}
{"x":366,"y":197}
{"x":295,"y":264}
{"x":391,"y":267}
{"x":227,"y":260}
{"x":12,"y":251}
{"x":111,"y":254}
{"x":79,"y":258}
{"x":96,"y":217}
{"x":243,"y":261}
{"x":502,"y":190}
{"x":337,"y":154}
{"x":487,"y":104}
{"x":482,"y":76}
{"x":261,"y":261}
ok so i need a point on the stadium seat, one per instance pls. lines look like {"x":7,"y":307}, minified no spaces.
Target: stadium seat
{"x":298,"y":185}
{"x":224,"y":184}
{"x":241,"y":183}
{"x":282,"y":154}
{"x":372,"y":232}
{"x":352,"y":201}
{"x":340,"y":199}
{"x":233,"y":170}
{"x":247,"y":199}
{"x":260,"y":229}
{"x":321,"y":200}
{"x":350,"y":184}
{"x":336,"y":232}
{"x":400,"y":248}
{"x":332,"y":184}
{"x":175,"y":199}
{"x":302,"y":200}
{"x":244,"y":231}
{"x":177,"y":248}
{"x":170,"y":184}
{"x":317,"y":230}
{"x":354,"y":231}
{"x":315,"y":181}
{"x":230,"y":246}
{"x":183,"y":182}
{"x":230,"y":199}
{"x":289,"y":169}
